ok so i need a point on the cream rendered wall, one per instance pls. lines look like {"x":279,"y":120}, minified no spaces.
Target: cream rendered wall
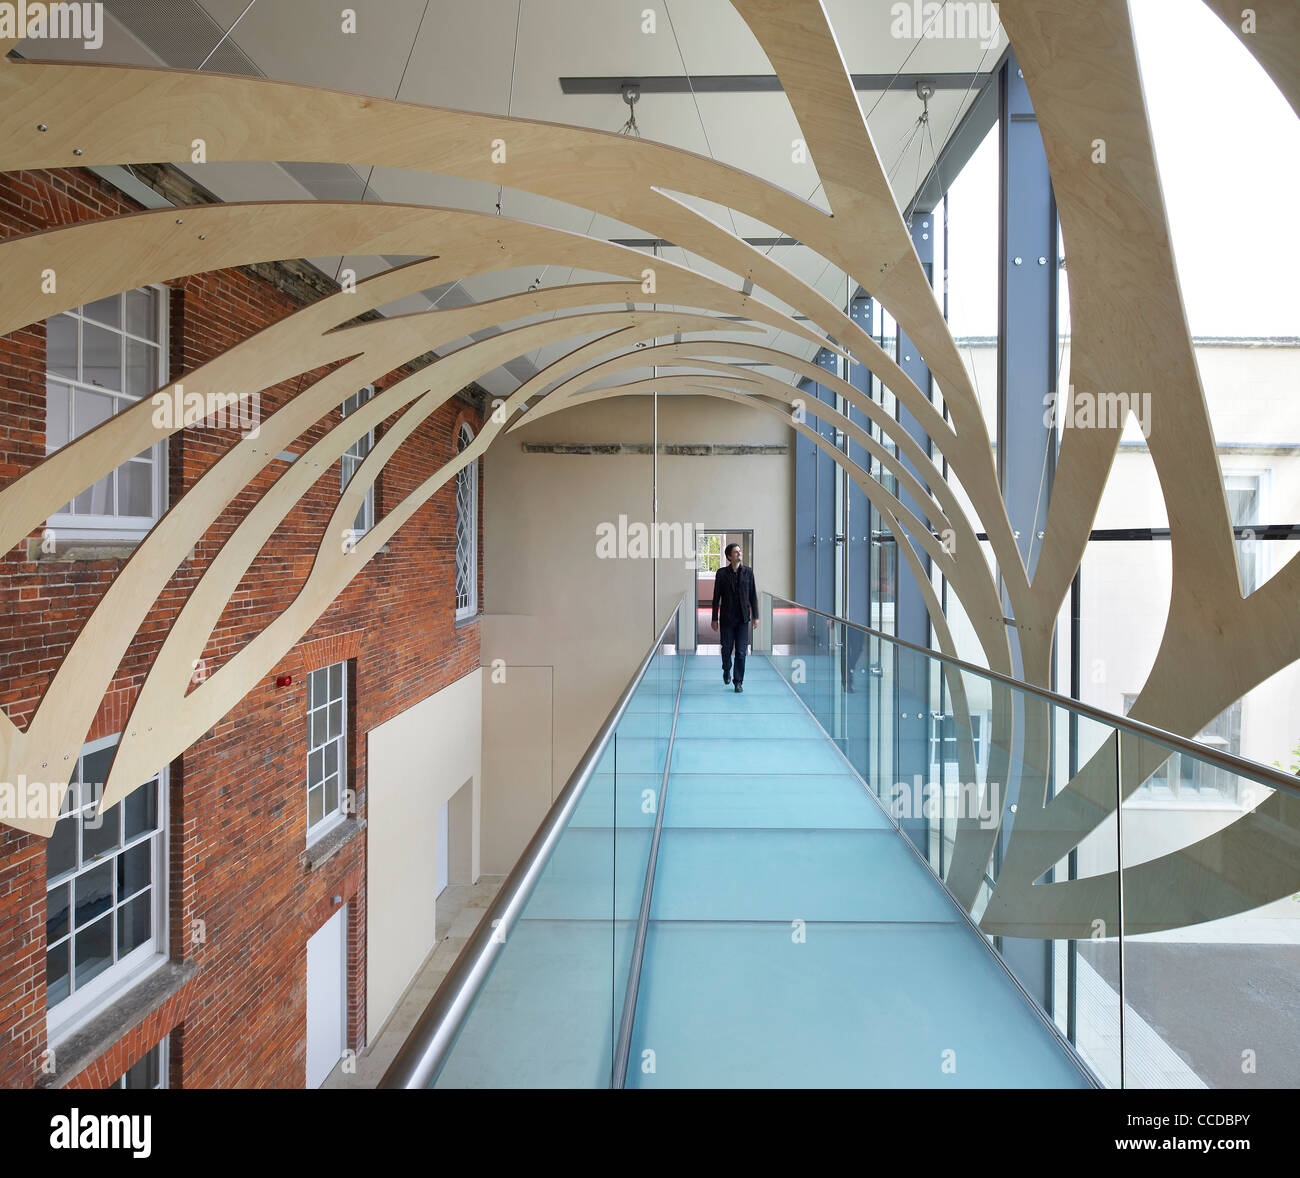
{"x":517,"y":760}
{"x":554,"y":604}
{"x":415,"y":762}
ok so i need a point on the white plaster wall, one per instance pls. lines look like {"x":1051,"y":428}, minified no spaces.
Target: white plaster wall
{"x":415,"y":762}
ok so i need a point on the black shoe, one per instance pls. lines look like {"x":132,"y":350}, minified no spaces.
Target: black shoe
{"x":726,"y":677}
{"x":739,"y":688}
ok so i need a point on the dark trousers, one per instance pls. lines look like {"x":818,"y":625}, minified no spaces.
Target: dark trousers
{"x":854,"y":641}
{"x":735,"y":637}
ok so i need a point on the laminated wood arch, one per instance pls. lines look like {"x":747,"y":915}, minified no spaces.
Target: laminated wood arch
{"x":1130,"y":333}
{"x":69,"y":703}
{"x":95,"y":259}
{"x":298,"y":343}
{"x":335,"y":563}
{"x":157,"y":111}
{"x":1270,"y":37}
{"x":1128,"y":327}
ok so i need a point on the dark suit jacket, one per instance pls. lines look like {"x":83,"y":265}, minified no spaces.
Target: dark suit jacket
{"x":734,"y":595}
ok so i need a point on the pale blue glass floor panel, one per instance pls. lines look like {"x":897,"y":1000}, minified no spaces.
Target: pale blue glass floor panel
{"x":731,"y":1005}
{"x":595,"y":807}
{"x":772,"y":800}
{"x":709,"y":667}
{"x":792,"y":875}
{"x":739,"y":757}
{"x":545,"y":1016}
{"x":576,"y":883}
{"x":636,"y":754}
{"x":728,"y":702}
{"x":766,"y":826}
{"x":720,"y":690}
{"x":653,"y":699}
{"x":791,"y":725}
{"x":657,"y":725}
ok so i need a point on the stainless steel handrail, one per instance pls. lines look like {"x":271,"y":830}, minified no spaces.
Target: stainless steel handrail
{"x":418,"y":1061}
{"x":1226,"y":761}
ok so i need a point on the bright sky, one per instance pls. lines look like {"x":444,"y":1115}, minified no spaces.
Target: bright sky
{"x":1228,"y":148}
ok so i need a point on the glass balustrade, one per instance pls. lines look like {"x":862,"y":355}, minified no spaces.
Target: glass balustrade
{"x":547,"y":1015}
{"x":1144,"y":894}
{"x":878,"y":866}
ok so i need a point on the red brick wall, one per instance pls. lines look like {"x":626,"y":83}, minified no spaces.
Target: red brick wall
{"x":140,"y":1039}
{"x":238,"y":796}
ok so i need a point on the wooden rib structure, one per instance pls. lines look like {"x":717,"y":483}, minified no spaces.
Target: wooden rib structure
{"x":1128,"y":329}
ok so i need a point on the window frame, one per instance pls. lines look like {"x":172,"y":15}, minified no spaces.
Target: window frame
{"x":1205,"y":787}
{"x":1261,"y":477}
{"x":77,"y":526}
{"x":939,"y":740}
{"x":467,"y":474}
{"x":351,"y":459}
{"x":163,"y":1048}
{"x":328,"y":821}
{"x":708,"y":558}
{"x":83,"y":1003}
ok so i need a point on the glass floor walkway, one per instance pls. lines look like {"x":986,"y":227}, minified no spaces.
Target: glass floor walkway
{"x":794,"y":937}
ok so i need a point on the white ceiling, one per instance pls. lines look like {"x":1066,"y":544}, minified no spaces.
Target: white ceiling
{"x":465,"y":57}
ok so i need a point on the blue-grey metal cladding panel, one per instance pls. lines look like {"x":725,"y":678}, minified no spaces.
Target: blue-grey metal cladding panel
{"x":858,"y":540}
{"x":826,"y":525}
{"x":805,"y":508}
{"x":913,"y":621}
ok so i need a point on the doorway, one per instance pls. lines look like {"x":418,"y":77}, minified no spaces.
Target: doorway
{"x":453,"y":859}
{"x":710,"y":547}
{"x":442,"y":852}
{"x":327,"y":997}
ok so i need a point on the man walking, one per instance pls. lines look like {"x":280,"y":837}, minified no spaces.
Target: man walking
{"x":736,"y":599}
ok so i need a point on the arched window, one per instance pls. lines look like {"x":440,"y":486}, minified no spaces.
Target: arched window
{"x":466,"y":530}
{"x":352,"y":458}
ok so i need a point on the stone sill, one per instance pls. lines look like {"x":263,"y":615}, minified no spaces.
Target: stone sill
{"x":77,"y":1051}
{"x":67,"y":551}
{"x":72,"y":551}
{"x":329,"y":845}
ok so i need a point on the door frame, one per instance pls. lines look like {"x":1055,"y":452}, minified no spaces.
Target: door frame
{"x":695,"y":572}
{"x":342,"y":913}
